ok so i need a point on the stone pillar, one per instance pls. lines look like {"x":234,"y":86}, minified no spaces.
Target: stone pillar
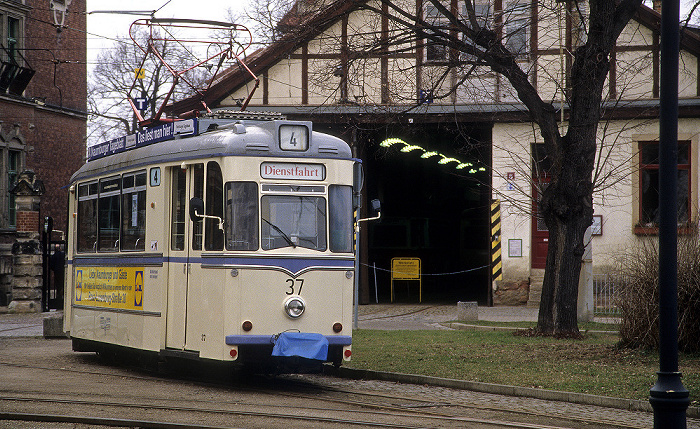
{"x":586,"y":299}
{"x":27,"y":270}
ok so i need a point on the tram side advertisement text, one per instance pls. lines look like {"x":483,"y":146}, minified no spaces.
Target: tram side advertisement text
{"x":109,"y":287}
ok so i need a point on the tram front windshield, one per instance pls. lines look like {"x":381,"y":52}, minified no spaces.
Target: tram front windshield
{"x":288,"y":216}
{"x":290,"y":220}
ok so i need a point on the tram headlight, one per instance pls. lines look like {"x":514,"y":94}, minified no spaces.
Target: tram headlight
{"x":294,"y":306}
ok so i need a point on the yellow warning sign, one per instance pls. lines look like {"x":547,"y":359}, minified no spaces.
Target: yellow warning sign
{"x":110,"y":287}
{"x":405,"y":268}
{"x":140,"y":73}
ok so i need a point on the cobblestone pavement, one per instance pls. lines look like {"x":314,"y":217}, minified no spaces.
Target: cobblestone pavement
{"x":526,"y":405}
{"x":23,"y":325}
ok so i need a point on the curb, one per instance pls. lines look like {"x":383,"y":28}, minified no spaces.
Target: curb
{"x":499,"y":389}
{"x":460,"y":326}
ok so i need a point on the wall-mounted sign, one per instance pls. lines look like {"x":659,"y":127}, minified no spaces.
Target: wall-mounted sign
{"x":597,"y":225}
{"x":515,"y":248}
{"x":292,"y":171}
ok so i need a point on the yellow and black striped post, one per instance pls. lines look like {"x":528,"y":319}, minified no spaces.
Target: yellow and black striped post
{"x":496,"y":266}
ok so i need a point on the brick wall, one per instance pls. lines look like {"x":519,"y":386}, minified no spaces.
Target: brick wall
{"x":51,"y":116}
{"x":63,"y":84}
{"x":27,"y":221}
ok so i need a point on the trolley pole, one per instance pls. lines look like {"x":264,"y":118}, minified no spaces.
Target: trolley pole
{"x":668,"y":397}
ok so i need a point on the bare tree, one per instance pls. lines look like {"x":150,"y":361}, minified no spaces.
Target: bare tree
{"x":269,"y":20}
{"x":113,"y":81}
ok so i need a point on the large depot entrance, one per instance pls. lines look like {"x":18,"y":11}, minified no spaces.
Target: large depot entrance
{"x":434,"y":184}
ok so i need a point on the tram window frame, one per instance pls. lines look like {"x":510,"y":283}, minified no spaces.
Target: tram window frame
{"x":87,"y":217}
{"x":214,"y":206}
{"x":178,"y":210}
{"x":241,"y":212}
{"x":133,"y":222}
{"x":340,"y":219}
{"x":109,"y":214}
{"x":274,"y":222}
{"x":197,"y":192}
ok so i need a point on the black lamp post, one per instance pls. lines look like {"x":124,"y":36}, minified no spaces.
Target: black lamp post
{"x":668,"y":397}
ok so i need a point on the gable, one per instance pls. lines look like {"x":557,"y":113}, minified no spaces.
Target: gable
{"x":323,"y":63}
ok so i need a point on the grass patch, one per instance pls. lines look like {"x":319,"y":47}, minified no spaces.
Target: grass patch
{"x":594,"y":365}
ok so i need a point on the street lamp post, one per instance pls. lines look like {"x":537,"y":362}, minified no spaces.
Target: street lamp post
{"x":668,"y":397}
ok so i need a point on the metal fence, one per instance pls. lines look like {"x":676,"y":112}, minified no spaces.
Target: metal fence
{"x":605,"y":289}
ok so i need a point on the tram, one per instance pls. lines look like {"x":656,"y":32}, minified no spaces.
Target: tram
{"x":227,"y":237}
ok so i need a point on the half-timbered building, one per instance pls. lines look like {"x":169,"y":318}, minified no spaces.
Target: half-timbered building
{"x":444,"y":144}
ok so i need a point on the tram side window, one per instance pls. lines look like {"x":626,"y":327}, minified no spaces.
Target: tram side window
{"x":213,"y":235}
{"x":179,"y":195}
{"x":133,"y":211}
{"x":241,"y":216}
{"x":87,"y":217}
{"x":340,"y":220}
{"x":108,"y":214}
{"x":198,"y":192}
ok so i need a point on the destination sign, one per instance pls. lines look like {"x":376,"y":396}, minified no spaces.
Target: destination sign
{"x":143,"y":138}
{"x":292,"y":171}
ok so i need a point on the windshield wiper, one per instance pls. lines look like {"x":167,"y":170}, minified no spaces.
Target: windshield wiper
{"x":277,"y":228}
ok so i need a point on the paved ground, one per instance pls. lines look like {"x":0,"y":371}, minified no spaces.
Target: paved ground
{"x":375,"y":316}
{"x":427,"y":316}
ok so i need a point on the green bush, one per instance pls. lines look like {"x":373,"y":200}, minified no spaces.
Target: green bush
{"x":638,"y":296}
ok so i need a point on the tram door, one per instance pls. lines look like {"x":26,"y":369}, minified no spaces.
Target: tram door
{"x":185,"y":247}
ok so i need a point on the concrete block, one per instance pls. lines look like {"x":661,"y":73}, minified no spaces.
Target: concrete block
{"x":28,"y":270}
{"x":27,"y":282}
{"x":53,"y":326}
{"x":467,"y":311}
{"x":24,"y":307}
{"x":26,"y":294}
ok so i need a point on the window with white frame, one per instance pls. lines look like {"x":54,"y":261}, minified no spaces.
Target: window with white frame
{"x":516,"y":22}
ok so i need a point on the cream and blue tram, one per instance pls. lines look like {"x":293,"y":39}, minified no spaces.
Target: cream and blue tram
{"x":220,"y":239}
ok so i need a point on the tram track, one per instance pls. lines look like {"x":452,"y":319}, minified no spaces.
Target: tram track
{"x":429,"y":420}
{"x":363,"y":403}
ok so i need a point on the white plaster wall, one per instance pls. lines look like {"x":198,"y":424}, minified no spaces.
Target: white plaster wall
{"x":511,"y":154}
{"x":324,"y":86}
{"x":635,"y":74}
{"x":615,"y":197}
{"x":284,"y":82}
{"x":634,"y":34}
{"x":687,"y":77}
{"x":549,"y":78}
{"x":402,"y":81}
{"x":242,"y":93}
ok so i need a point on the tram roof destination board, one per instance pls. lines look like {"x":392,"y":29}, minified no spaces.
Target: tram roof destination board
{"x":159,"y":133}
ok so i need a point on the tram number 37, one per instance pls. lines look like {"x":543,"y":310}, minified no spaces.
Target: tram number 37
{"x":294,"y":286}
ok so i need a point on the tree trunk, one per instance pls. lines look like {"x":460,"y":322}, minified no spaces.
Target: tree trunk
{"x":567,"y":209}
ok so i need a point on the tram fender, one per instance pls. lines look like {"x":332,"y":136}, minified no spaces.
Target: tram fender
{"x":301,"y":344}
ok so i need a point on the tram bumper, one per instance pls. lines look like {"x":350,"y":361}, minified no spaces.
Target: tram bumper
{"x":292,"y":344}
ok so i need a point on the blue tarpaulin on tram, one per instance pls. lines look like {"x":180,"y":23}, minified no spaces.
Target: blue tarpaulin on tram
{"x":305,"y":345}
